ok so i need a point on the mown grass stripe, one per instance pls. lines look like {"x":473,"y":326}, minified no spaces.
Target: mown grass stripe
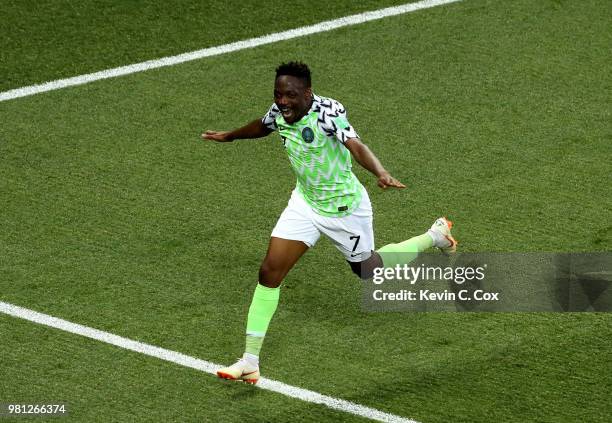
{"x":222,"y":49}
{"x":196,"y":363}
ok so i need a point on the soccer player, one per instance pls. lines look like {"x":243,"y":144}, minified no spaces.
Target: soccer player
{"x":328,"y":199}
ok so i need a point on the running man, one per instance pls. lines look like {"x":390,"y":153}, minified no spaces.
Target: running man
{"x":328,"y":199}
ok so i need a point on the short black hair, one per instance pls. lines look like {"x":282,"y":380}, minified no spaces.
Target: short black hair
{"x":298,"y":69}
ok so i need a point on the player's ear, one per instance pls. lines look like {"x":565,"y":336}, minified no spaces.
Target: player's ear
{"x":308,"y":92}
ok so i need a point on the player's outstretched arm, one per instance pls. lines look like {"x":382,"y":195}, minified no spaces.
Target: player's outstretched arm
{"x":255,"y":129}
{"x":364,"y":156}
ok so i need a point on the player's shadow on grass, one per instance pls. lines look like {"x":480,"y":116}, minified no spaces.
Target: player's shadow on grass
{"x":238,"y":390}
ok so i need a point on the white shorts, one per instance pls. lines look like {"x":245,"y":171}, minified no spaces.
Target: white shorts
{"x":353,"y":235}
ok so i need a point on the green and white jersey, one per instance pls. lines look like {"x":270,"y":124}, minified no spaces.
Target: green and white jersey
{"x":320,"y":161}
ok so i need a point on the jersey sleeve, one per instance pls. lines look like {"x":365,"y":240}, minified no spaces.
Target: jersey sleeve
{"x":269,"y":119}
{"x":333,"y":121}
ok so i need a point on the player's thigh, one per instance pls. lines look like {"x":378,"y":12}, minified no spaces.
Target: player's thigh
{"x":281,"y":257}
{"x":293,"y":234}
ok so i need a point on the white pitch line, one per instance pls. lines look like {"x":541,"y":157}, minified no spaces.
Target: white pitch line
{"x":198,"y":364}
{"x":222,"y":49}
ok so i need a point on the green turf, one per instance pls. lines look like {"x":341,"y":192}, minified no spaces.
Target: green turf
{"x":123,"y":386}
{"x":50,"y":39}
{"x":115,"y":215}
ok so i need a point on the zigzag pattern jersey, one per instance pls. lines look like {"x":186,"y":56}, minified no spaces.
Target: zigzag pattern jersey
{"x":315,"y":146}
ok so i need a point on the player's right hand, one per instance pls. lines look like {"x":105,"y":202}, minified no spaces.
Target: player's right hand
{"x":219,"y":136}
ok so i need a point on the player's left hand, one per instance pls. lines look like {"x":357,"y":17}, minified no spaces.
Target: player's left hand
{"x":386,"y":180}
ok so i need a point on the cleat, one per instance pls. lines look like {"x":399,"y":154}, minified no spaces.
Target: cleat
{"x":444,"y":240}
{"x":242,"y":371}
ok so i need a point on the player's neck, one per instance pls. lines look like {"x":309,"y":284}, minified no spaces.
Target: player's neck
{"x":305,"y":111}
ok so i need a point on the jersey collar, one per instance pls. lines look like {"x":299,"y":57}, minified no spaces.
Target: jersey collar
{"x":314,"y":107}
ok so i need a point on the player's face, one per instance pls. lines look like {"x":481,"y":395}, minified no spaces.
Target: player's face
{"x":292,"y":97}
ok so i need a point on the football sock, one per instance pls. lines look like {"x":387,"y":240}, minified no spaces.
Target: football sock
{"x":406,"y":251}
{"x":253,"y":359}
{"x":261,"y":311}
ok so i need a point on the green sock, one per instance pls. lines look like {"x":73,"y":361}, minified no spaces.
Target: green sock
{"x":261,"y":311}
{"x":406,"y":251}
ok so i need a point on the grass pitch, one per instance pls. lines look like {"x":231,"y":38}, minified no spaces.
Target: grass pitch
{"x":115,"y":215}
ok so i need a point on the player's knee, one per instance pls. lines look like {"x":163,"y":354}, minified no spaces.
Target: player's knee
{"x":270,"y":275}
{"x":363,"y":272}
{"x":365,"y":269}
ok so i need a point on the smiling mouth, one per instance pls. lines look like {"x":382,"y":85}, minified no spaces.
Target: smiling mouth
{"x":286,"y":112}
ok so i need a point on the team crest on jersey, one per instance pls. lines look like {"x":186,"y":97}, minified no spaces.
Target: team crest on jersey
{"x":307,"y":135}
